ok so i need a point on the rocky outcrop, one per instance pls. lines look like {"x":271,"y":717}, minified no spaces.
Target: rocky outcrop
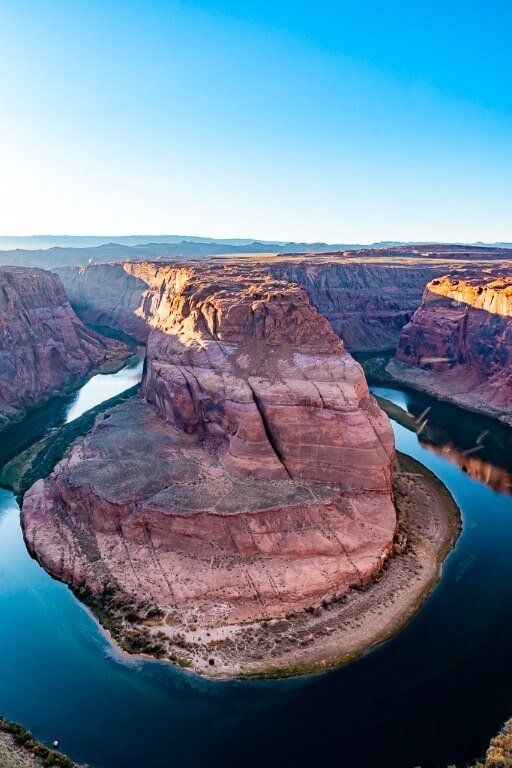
{"x":251,"y":481}
{"x":122,"y":297}
{"x":43,"y":344}
{"x":366,"y":298}
{"x":253,"y":365}
{"x":458,"y":345}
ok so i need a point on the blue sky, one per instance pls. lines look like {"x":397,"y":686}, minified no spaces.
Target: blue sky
{"x":335,"y":121}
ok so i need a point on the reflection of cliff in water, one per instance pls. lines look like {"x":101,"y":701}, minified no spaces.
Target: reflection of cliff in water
{"x":497,"y":478}
{"x":479,"y":445}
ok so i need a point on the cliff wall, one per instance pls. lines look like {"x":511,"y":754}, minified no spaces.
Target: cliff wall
{"x":43,"y":344}
{"x":459,"y":342}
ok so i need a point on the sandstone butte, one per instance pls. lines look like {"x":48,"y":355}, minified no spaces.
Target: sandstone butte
{"x":458,"y":344}
{"x":252,"y":479}
{"x":43,"y":344}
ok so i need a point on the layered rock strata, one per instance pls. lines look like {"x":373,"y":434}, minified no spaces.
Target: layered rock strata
{"x":458,"y":345}
{"x":43,"y":344}
{"x":367,"y":297}
{"x":367,"y":301}
{"x":252,"y":480}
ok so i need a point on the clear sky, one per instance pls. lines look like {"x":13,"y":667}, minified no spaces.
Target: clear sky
{"x":306,"y":120}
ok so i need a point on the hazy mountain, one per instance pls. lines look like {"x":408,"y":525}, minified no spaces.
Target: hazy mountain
{"x":57,"y":256}
{"x":36,"y":242}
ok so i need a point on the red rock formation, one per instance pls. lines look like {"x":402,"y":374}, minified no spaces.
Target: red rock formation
{"x":107,"y":295}
{"x":460,"y":341}
{"x":43,"y":344}
{"x":253,"y":365}
{"x":255,"y":479}
{"x":367,"y":297}
{"x":367,"y":300}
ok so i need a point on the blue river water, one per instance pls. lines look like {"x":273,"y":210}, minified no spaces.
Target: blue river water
{"x":432,"y":695}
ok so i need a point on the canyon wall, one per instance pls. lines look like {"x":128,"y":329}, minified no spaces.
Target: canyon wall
{"x":458,"y":344}
{"x":252,"y":479}
{"x":367,"y":300}
{"x":43,"y":344}
{"x":108,"y":295}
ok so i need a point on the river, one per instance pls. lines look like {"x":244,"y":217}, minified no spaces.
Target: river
{"x":431,"y":696}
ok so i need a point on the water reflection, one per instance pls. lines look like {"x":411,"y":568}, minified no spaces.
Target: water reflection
{"x":497,"y":478}
{"x":481,"y":447}
{"x":104,"y":386}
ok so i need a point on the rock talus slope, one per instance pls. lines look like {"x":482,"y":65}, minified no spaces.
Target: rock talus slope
{"x":251,"y":480}
{"x":43,"y":344}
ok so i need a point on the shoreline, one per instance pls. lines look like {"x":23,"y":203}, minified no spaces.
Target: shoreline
{"x":112,"y":364}
{"x":323,"y":636}
{"x":376,"y":369}
{"x":423,"y":381}
{"x":19,"y":749}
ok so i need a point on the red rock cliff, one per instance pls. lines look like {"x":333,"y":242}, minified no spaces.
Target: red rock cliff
{"x":43,"y":344}
{"x":253,"y":479}
{"x":248,"y":361}
{"x":366,"y":298}
{"x":460,"y":339}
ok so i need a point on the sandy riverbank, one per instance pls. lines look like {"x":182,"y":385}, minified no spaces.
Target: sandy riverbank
{"x":18,"y":749}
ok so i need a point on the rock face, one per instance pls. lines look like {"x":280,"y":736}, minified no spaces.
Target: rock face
{"x":367,"y":297}
{"x":43,"y":344}
{"x":253,"y":365}
{"x":367,"y":301}
{"x":459,"y":342}
{"x":253,"y":479}
{"x":110,"y":296}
